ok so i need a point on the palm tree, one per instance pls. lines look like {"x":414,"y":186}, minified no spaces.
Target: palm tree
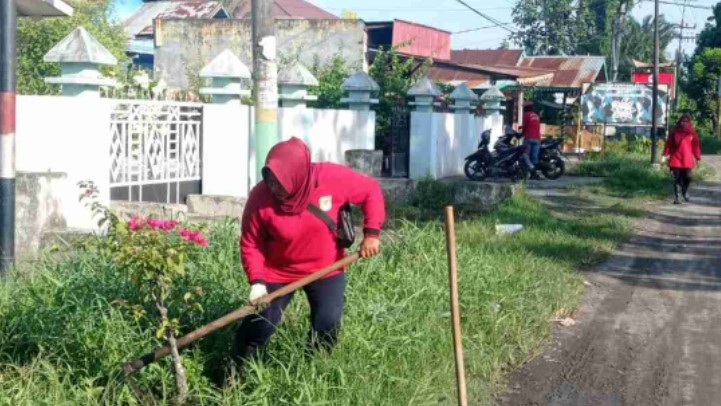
{"x":638,"y":43}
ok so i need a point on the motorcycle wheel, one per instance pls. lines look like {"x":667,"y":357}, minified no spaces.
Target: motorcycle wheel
{"x":554,"y":169}
{"x":475,"y":170}
{"x":520,"y":173}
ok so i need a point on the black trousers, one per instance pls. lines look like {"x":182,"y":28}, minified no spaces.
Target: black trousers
{"x":326,"y":298}
{"x":681,"y":180}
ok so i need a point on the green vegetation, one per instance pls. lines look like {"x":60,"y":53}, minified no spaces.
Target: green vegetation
{"x":710,"y":145}
{"x":626,"y":165}
{"x":65,"y":327}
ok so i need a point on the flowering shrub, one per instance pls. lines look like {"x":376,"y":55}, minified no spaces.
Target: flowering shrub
{"x":153,"y":252}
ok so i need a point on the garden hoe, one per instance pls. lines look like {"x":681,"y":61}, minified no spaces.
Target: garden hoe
{"x":137,"y":364}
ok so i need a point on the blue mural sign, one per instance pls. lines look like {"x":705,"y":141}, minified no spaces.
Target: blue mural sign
{"x":622,"y":104}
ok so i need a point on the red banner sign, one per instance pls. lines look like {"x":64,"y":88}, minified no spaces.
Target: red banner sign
{"x":664,"y":78}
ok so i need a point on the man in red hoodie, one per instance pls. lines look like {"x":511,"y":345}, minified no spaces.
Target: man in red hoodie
{"x":283,"y":241}
{"x":532,"y":134}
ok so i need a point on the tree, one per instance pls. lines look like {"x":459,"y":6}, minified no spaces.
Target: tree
{"x":330,"y":81}
{"x":545,"y":26}
{"x":710,"y":36}
{"x":638,"y":42}
{"x":36,"y":37}
{"x":348,"y":14}
{"x":701,"y":87}
{"x":395,"y":75}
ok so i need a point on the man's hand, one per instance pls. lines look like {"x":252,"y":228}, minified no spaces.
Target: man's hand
{"x":370,"y":247}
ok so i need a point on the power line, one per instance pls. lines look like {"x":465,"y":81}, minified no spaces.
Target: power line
{"x":489,"y":18}
{"x":675,"y":3}
{"x":476,"y":29}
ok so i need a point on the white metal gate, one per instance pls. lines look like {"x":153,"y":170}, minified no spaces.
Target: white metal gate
{"x":155,"y":151}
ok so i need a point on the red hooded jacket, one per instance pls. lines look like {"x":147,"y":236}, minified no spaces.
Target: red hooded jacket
{"x":531,"y":126}
{"x":682,"y":146}
{"x":282,"y":242}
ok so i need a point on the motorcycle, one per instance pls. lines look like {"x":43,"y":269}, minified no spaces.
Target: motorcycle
{"x":551,"y":161}
{"x":505,"y":161}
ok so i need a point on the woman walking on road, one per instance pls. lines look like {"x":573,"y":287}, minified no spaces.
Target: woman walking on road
{"x":683,"y":151}
{"x":286,"y":235}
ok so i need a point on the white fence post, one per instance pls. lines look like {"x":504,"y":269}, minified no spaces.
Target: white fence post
{"x":424,"y":136}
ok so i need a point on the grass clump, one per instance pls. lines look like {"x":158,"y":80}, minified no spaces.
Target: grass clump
{"x":65,"y":328}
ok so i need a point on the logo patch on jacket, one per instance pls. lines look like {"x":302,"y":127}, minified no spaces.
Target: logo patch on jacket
{"x":325,"y":203}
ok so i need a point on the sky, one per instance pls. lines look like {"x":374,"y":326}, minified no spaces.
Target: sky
{"x":452,"y":16}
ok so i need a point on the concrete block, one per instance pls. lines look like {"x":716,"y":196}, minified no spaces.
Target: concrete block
{"x":147,"y":209}
{"x":38,"y":207}
{"x":365,"y":161}
{"x":215,"y":206}
{"x":483,"y":196}
{"x":398,"y":191}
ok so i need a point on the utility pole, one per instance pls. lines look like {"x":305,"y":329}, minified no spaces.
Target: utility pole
{"x":8,"y":31}
{"x":265,"y":71}
{"x":679,"y":53}
{"x":654,"y":109}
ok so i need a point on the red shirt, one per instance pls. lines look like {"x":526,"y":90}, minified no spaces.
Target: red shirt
{"x":682,"y":148}
{"x":531,"y":126}
{"x":282,"y":248}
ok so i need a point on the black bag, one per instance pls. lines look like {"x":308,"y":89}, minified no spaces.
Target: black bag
{"x":343,"y":229}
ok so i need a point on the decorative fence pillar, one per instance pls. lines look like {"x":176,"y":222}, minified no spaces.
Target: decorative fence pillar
{"x":464,"y":100}
{"x":425,"y":92}
{"x":228,"y":77}
{"x":492,"y":102}
{"x":293,"y":82}
{"x":360,"y":87}
{"x":80,"y":57}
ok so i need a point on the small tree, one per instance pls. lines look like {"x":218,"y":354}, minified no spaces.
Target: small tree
{"x":330,"y":81}
{"x":152,"y":253}
{"x":395,"y":74}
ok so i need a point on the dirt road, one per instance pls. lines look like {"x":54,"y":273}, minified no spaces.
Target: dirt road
{"x":649,"y":330}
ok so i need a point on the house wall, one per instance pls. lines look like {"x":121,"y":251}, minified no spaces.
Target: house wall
{"x":184,"y":47}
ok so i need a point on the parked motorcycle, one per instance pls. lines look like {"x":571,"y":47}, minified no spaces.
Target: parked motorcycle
{"x":505,"y":161}
{"x":551,"y":161}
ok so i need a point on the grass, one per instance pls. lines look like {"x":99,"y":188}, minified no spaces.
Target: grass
{"x":64,"y":329}
{"x":628,"y":172}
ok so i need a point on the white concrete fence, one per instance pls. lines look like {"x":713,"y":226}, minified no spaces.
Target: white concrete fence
{"x":79,"y":137}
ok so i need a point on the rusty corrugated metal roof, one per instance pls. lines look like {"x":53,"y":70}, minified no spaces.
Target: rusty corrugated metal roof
{"x":454,"y":76}
{"x":487,"y":57}
{"x":141,"y":22}
{"x":569,"y":71}
{"x":284,"y":9}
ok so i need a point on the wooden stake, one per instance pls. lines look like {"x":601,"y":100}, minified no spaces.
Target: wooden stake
{"x":455,"y":311}
{"x":133,"y":366}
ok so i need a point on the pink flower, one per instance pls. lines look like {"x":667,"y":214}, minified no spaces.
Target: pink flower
{"x":136,"y":223}
{"x":193,"y":236}
{"x":165,"y":225}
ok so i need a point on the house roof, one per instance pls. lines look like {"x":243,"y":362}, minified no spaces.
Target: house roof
{"x":283,"y":9}
{"x":487,"y":57}
{"x":44,"y":8}
{"x":141,"y":22}
{"x":649,"y":65}
{"x":568,"y":71}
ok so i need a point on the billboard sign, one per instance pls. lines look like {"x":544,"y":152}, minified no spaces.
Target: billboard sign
{"x":665,"y":78}
{"x":622,"y":104}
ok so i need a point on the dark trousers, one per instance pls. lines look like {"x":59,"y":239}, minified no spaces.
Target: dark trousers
{"x":681,"y":181}
{"x":326,"y":298}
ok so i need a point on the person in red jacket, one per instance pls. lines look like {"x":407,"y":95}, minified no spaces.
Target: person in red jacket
{"x":282,"y":241}
{"x":683,"y":151}
{"x":531,"y":130}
